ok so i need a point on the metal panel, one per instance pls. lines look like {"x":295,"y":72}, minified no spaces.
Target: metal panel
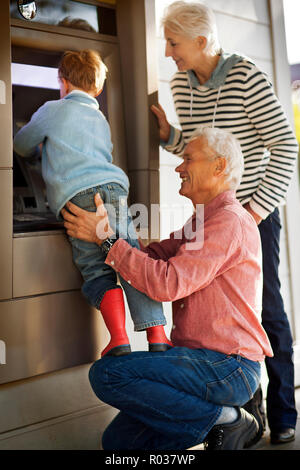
{"x":43,"y":264}
{"x":140,"y":89}
{"x":6,"y":199}
{"x":47,"y":333}
{"x":5,"y":89}
{"x":36,"y":399}
{"x":138,"y":59}
{"x":78,"y":431}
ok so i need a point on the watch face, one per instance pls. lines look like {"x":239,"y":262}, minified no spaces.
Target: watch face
{"x":107,"y":244}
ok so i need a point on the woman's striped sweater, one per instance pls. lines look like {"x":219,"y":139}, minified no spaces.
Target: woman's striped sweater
{"x":246,"y":106}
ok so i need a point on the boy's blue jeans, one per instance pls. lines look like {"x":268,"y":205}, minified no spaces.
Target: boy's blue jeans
{"x":90,"y":260}
{"x":170,"y":400}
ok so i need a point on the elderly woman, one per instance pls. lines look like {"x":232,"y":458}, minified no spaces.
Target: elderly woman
{"x":229,"y":91}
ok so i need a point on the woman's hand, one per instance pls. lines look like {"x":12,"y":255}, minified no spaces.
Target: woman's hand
{"x":255,"y":216}
{"x":88,"y":226}
{"x":164,"y":126}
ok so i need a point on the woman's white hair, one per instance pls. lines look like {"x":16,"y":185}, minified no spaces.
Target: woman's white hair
{"x":192,"y":20}
{"x":227,"y":146}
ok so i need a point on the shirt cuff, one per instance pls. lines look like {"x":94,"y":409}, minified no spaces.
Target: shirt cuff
{"x":118,"y":251}
{"x":171,"y":140}
{"x":263,"y":213}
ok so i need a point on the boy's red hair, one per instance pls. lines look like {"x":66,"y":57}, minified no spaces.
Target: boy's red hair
{"x":83,"y":69}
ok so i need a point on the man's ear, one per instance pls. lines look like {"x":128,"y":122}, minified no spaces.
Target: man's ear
{"x":221,"y":165}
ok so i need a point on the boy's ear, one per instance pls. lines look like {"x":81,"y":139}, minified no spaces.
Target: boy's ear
{"x":66,"y":84}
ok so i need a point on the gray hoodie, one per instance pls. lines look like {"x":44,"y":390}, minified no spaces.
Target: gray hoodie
{"x":217,"y":78}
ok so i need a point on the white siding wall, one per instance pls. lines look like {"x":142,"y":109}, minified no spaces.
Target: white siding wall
{"x":244,"y":26}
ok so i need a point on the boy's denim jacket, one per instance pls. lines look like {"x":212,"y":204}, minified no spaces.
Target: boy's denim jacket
{"x":77,"y":148}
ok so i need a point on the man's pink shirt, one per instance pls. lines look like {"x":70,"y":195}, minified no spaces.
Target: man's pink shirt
{"x":215,"y":289}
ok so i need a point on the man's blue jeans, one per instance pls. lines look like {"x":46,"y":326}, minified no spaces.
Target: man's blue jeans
{"x":170,"y":400}
{"x":281,"y":411}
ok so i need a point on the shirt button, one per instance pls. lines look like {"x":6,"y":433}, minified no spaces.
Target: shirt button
{"x":112,"y":263}
{"x":129,"y":282}
{"x":181,"y":305}
{"x":173,"y":327}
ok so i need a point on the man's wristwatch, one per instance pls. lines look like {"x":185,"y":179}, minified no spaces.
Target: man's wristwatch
{"x":107,"y":244}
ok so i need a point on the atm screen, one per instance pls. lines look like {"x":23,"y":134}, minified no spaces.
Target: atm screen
{"x":34,"y":76}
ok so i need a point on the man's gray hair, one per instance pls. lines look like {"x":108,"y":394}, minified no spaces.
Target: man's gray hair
{"x":227,"y":146}
{"x":192,"y":20}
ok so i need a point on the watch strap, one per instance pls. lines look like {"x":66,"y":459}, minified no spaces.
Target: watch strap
{"x":108,"y":244}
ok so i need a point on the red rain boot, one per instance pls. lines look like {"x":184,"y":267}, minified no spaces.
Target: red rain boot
{"x":157,"y":339}
{"x":113,"y":311}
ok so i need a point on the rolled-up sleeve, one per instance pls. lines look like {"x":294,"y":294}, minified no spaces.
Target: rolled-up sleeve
{"x":33,"y":133}
{"x":184,"y":273}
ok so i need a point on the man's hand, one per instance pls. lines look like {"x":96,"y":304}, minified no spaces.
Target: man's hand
{"x":164,"y":126}
{"x":91,"y":227}
{"x":255,"y":216}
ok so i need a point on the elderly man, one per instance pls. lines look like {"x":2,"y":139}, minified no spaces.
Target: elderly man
{"x":193,"y":392}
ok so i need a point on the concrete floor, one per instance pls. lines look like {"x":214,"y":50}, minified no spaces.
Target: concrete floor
{"x":264,"y":443}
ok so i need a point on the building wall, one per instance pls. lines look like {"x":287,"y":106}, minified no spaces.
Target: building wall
{"x":250,"y":22}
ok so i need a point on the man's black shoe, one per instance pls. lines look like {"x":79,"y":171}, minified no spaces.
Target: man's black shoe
{"x":234,"y":436}
{"x":282,"y":437}
{"x":256,"y":408}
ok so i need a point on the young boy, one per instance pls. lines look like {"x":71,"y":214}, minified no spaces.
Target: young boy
{"x":76,"y":165}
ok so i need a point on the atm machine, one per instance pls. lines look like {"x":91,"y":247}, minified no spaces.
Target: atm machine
{"x":57,"y":328}
{"x":48,"y":333}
